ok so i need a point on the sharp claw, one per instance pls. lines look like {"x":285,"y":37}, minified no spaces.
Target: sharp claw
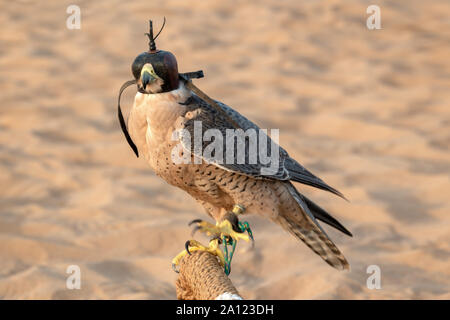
{"x":195,"y":221}
{"x":186,"y":246}
{"x":174,"y":268}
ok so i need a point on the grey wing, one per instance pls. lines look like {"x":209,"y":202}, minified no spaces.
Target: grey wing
{"x":226,"y":146}
{"x":295,"y":170}
{"x":281,"y":165}
{"x":299,"y":174}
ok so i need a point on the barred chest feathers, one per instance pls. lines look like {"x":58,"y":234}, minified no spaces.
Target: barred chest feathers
{"x":152,"y":122}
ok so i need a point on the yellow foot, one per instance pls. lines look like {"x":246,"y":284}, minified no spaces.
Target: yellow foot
{"x":227,"y":228}
{"x":193,"y":245}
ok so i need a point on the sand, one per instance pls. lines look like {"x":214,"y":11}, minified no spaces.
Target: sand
{"x":367,"y":111}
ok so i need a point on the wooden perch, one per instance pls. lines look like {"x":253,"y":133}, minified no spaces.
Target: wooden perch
{"x":202,"y":278}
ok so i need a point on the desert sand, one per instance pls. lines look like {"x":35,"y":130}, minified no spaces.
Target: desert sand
{"x":368,"y":111}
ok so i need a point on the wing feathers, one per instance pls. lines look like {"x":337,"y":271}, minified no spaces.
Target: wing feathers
{"x":289,"y":169}
{"x":299,"y":174}
{"x":324,"y":216}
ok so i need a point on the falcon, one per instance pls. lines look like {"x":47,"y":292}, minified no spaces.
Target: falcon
{"x":167,"y":103}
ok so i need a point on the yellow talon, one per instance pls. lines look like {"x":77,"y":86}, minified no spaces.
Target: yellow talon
{"x":223,"y":228}
{"x":194,"y":245}
{"x":220,"y":229}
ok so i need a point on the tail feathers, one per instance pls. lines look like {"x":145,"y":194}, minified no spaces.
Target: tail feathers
{"x":324,"y":216}
{"x":302,"y":224}
{"x":315,"y":239}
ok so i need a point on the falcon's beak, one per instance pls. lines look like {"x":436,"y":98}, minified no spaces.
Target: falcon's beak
{"x":148,"y":75}
{"x":146,"y":78}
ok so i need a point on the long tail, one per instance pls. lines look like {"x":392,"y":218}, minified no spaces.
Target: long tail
{"x":303,"y":225}
{"x":324,"y":216}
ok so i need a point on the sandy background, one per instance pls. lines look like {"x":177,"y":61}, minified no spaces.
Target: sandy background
{"x":367,"y":111}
